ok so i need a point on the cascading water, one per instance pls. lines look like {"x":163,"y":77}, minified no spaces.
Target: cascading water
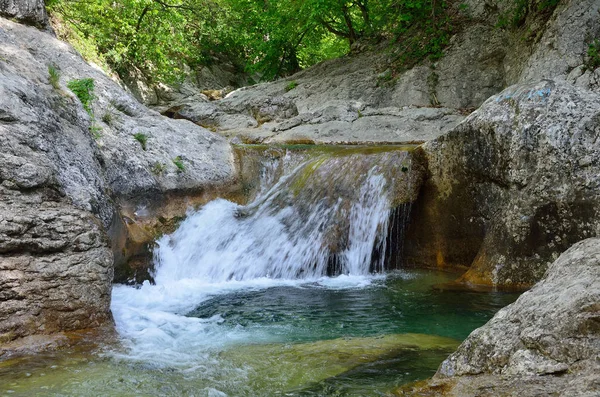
{"x":327,"y":217}
{"x":244,"y":303}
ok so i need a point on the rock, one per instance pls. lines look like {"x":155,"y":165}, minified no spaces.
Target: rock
{"x":513,"y":186}
{"x":55,"y":264}
{"x":563,"y":46}
{"x":30,"y":12}
{"x":367,"y":97}
{"x":337,"y":101}
{"x":545,"y":343}
{"x":70,"y":180}
{"x":305,"y":364}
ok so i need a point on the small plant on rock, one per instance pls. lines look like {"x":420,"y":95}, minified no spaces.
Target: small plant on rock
{"x":593,"y":55}
{"x":96,"y":131}
{"x":141,"y":138}
{"x":107,"y":118}
{"x":84,"y":90}
{"x":158,"y":168}
{"x":53,"y":76}
{"x":291,"y":86}
{"x":178,"y":161}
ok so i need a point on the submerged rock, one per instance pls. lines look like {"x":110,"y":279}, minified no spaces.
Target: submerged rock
{"x":546,"y":343}
{"x":303,"y":364}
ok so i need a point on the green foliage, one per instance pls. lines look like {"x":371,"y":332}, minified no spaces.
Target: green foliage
{"x":593,"y":55}
{"x":291,"y":86}
{"x":54,"y":76}
{"x":178,"y":161}
{"x":84,"y":90}
{"x":273,"y":38}
{"x":141,"y":138}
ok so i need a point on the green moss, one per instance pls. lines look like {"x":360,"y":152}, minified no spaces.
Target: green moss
{"x":291,"y":86}
{"x":306,"y":172}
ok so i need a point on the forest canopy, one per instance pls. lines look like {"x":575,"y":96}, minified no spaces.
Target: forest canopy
{"x":270,"y":38}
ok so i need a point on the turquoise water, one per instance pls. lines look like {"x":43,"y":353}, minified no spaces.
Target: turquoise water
{"x":330,"y":337}
{"x":404,"y":302}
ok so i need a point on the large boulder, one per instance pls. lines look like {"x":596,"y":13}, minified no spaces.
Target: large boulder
{"x":545,"y":343}
{"x":513,"y":186}
{"x":78,"y":187}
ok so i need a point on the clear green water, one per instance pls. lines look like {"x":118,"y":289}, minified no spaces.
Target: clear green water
{"x":304,"y":340}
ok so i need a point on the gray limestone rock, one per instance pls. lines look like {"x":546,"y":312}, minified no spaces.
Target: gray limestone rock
{"x":513,"y":186}
{"x":67,"y":176}
{"x":30,"y":12}
{"x":322,"y":103}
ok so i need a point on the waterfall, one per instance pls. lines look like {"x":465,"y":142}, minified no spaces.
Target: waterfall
{"x":327,"y":215}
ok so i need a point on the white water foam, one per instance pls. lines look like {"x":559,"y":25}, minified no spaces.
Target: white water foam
{"x":225,"y":247}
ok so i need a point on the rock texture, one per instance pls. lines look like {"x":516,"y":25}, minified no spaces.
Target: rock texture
{"x":77,"y":189}
{"x":518,"y":182}
{"x":546,"y":343}
{"x":364,"y":97}
{"x":30,"y":12}
{"x":338,"y":101}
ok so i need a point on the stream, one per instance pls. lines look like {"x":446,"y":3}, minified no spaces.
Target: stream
{"x":292,"y":294}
